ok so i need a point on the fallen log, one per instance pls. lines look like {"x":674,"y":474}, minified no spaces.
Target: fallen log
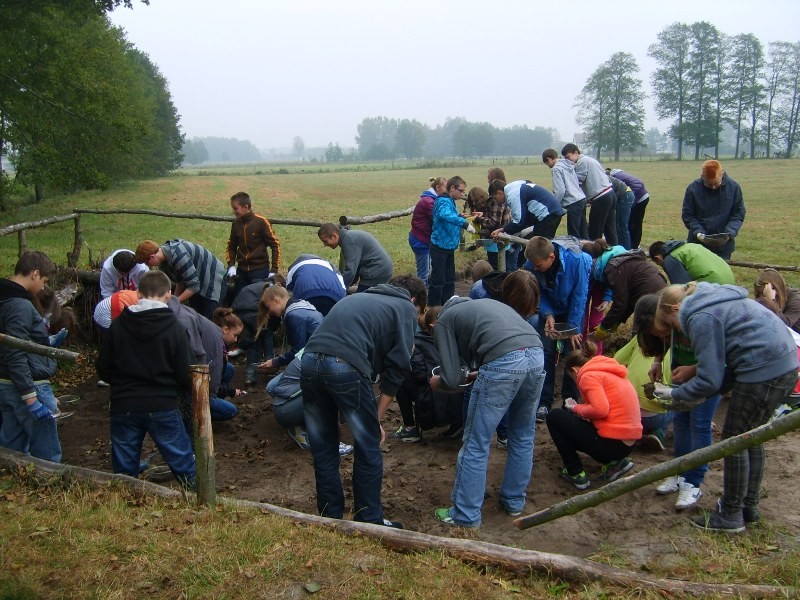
{"x":755,"y":265}
{"x":34,"y":224}
{"x":346,"y":220}
{"x":34,"y":348}
{"x":754,"y":437}
{"x":520,"y":561}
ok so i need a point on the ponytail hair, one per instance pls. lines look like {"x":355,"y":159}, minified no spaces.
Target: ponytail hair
{"x":225,"y":317}
{"x":578,"y":358}
{"x":595,"y":248}
{"x":669,"y":297}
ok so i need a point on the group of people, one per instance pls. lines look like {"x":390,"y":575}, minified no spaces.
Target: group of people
{"x":496,"y":351}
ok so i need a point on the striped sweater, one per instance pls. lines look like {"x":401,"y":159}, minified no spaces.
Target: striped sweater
{"x":196,"y":268}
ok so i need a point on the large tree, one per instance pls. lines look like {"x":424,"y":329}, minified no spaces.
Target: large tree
{"x":670,"y":80}
{"x":704,"y":58}
{"x":612,"y":106}
{"x":409,"y":139}
{"x":376,"y":137}
{"x":746,"y":72}
{"x":776,"y":75}
{"x":787,"y":115}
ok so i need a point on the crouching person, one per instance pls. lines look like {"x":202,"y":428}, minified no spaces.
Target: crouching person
{"x":146,"y":362}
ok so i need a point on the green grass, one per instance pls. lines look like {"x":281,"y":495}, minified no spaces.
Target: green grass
{"x":769,"y":233}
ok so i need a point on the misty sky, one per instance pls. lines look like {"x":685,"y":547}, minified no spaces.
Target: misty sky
{"x":267,"y":70}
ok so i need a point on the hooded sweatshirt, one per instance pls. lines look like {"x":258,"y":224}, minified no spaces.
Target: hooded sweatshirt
{"x":610,"y":401}
{"x":19,"y":319}
{"x":630,"y":276}
{"x":475,"y":332}
{"x":697,"y":261}
{"x":729,"y":330}
{"x":566,"y":187}
{"x":373,"y":332}
{"x":146,"y":360}
{"x":714,"y":211}
{"x":301,"y":319}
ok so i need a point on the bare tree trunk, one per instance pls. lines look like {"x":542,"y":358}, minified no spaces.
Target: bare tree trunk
{"x":34,"y":348}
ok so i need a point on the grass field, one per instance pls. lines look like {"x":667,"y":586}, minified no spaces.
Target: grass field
{"x":769,"y":233}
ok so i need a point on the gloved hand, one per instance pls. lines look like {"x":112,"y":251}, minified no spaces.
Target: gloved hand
{"x":40,"y":411}
{"x":470,"y":228}
{"x":58,"y":339}
{"x":232,"y":271}
{"x":600,"y":333}
{"x":663,"y":393}
{"x":570,"y":403}
{"x":701,"y":237}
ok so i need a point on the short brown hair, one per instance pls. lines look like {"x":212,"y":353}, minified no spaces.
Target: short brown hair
{"x":154,"y":284}
{"x":550,"y":153}
{"x":496,"y":173}
{"x":521,"y":292}
{"x":455,"y":182}
{"x":327,"y":230}
{"x":242,"y":199}
{"x":539,"y":248}
{"x":34,"y":260}
{"x":145,"y":250}
{"x":579,"y":357}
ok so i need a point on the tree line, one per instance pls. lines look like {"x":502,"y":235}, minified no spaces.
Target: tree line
{"x":80,"y":106}
{"x":705,"y":81}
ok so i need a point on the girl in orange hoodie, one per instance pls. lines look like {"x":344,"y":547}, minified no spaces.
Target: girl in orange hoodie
{"x":605,"y":425}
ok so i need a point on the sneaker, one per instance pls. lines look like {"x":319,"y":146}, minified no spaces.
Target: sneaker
{"x":101,"y":383}
{"x":406,"y":434}
{"x":580,"y":481}
{"x":615,"y":469}
{"x":541,"y":414}
{"x":669,"y":485}
{"x":345,"y":449}
{"x":236,"y":352}
{"x":719,"y":522}
{"x":453,"y":432}
{"x":157,"y":474}
{"x":688,"y":495}
{"x":511,"y":512}
{"x":502,"y":443}
{"x":750,"y":514}
{"x":652,"y":442}
{"x":299,"y":437}
{"x":443,"y":514}
{"x":393,"y":524}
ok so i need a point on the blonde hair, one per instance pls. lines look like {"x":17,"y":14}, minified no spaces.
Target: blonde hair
{"x":669,"y":297}
{"x":269,"y":293}
{"x":778,"y":282}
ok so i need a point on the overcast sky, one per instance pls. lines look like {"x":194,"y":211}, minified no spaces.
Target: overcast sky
{"x":269,"y":70}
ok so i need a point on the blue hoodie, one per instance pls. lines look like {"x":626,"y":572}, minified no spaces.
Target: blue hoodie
{"x":564,"y":292}
{"x":447,"y":224}
{"x":730,"y":331}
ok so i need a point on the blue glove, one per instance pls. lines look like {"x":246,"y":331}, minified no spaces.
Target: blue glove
{"x":58,"y":339}
{"x":40,"y":411}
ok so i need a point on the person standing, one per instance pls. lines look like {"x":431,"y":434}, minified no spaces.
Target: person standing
{"x":363,"y":335}
{"x":365,"y":260}
{"x":641,"y":197}
{"x":120,"y":271}
{"x":567,"y":190}
{"x":198,"y":273}
{"x":27,"y":404}
{"x":713,"y":204}
{"x":419,"y":238}
{"x":445,"y":237}
{"x":599,"y":194}
{"x":251,"y":235}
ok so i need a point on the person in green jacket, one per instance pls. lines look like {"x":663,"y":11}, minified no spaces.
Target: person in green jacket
{"x":684,"y":262}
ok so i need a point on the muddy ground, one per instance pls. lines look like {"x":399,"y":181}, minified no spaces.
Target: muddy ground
{"x":256,"y":460}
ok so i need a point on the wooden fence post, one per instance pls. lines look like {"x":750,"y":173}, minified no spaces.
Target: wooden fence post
{"x":203,"y":437}
{"x":501,"y":257}
{"x":23,"y":244}
{"x":72,"y":257}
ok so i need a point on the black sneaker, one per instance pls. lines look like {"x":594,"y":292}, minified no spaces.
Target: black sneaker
{"x":392,"y":524}
{"x":751,"y":514}
{"x":719,"y":522}
{"x":406,"y":434}
{"x":453,"y":432}
{"x":541,"y":414}
{"x":579,"y":480}
{"x":615,"y":469}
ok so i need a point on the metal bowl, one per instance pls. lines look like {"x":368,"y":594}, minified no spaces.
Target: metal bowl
{"x":716,"y":239}
{"x":562,"y":331}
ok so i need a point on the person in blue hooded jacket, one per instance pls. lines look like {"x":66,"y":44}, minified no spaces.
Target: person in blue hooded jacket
{"x":445,"y":237}
{"x":733,"y":338}
{"x":562,"y":271}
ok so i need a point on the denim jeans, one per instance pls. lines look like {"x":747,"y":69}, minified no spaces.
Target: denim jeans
{"x":245,"y":278}
{"x":423,"y":259}
{"x":509,"y":383}
{"x":657,"y":423}
{"x":259,"y":350}
{"x":221,"y":409}
{"x":168,"y":432}
{"x":442,"y":280}
{"x":21,"y":431}
{"x":576,"y":220}
{"x":331,"y":386}
{"x":692,"y":431}
{"x":624,"y":206}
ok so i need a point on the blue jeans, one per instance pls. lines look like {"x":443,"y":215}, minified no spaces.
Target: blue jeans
{"x":568,"y":387}
{"x":624,"y":206}
{"x":692,"y":431}
{"x":258,"y":351}
{"x":509,"y":383}
{"x":423,"y":258}
{"x":21,"y":431}
{"x":331,"y":386}
{"x":167,"y":430}
{"x":221,"y":409}
{"x":442,"y":281}
{"x":657,"y":423}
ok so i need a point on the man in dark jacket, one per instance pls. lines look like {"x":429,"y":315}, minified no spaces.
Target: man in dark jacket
{"x":713,"y":204}
{"x":27,"y":403}
{"x":364,"y":335}
{"x":146,"y":361}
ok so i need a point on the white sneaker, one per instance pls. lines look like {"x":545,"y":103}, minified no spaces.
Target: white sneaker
{"x":101,"y":383}
{"x":669,"y":485}
{"x":688,"y":495}
{"x":235,"y":352}
{"x":345,"y":449}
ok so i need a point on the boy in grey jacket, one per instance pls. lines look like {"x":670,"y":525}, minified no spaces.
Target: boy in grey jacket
{"x":365,"y":260}
{"x":567,"y":190}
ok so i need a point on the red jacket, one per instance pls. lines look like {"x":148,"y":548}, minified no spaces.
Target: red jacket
{"x":609,"y":400}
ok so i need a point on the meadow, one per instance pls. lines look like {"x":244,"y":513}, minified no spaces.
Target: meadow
{"x":299,"y":192}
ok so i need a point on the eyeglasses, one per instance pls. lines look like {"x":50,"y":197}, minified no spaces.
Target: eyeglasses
{"x":461,"y":190}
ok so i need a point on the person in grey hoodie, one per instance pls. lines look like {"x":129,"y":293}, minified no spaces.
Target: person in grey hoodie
{"x":600,"y":196}
{"x":732,"y":337}
{"x":488,"y":342}
{"x":567,"y":190}
{"x":365,"y":260}
{"x":363,"y":335}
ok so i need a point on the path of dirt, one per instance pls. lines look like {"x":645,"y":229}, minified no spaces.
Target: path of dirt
{"x":257,"y":461}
